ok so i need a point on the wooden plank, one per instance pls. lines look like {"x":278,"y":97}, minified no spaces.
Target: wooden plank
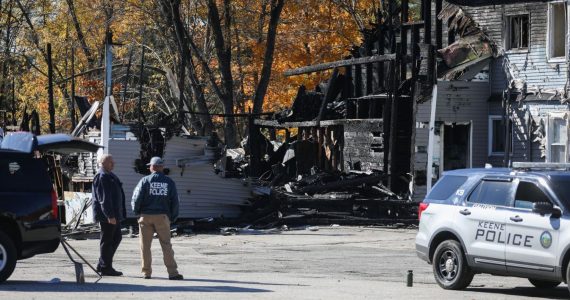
{"x":305,"y":124}
{"x":329,"y":94}
{"x":340,"y":63}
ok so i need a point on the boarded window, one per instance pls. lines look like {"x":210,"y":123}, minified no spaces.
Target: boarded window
{"x":557,"y":138}
{"x":557,"y":30}
{"x":517,"y":31}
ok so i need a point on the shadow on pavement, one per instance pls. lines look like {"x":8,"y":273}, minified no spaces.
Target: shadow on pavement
{"x":556,"y":293}
{"x":37,"y":286}
{"x":243,"y":282}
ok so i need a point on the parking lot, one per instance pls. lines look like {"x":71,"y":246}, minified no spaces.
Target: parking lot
{"x":326,"y":263}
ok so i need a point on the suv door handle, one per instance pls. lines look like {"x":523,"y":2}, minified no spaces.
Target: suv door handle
{"x":516,"y":219}
{"x":465,"y":212}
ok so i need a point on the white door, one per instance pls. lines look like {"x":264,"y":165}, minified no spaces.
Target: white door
{"x":484,"y":227}
{"x":532,"y":239}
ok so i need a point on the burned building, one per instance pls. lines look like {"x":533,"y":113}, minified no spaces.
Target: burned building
{"x":501,"y":99}
{"x":362,"y":119}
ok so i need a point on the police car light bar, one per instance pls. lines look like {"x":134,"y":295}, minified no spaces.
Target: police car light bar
{"x":540,"y":165}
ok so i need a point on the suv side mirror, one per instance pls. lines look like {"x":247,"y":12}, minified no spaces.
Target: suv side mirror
{"x":544,"y":208}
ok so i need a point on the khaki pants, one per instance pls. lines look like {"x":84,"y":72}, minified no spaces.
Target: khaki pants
{"x":148,"y":225}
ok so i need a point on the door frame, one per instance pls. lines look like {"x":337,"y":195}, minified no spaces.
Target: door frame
{"x":442,"y":145}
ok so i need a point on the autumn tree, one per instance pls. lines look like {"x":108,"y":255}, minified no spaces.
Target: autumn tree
{"x":201,"y":58}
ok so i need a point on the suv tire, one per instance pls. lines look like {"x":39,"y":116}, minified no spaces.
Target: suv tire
{"x":567,"y":275}
{"x":450,"y":267}
{"x":7,"y":256}
{"x":544,"y":284}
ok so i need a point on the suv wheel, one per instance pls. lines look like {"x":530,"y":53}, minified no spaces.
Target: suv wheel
{"x":7,"y":256}
{"x":450,"y":267}
{"x":543,"y":284}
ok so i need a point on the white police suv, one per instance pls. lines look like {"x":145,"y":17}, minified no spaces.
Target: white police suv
{"x":509,"y":222}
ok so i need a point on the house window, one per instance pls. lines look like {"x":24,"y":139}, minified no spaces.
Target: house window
{"x":497,"y":140}
{"x":557,"y":138}
{"x":517,"y":32}
{"x":557,"y":30}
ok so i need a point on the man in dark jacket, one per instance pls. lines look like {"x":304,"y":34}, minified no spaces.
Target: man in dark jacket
{"x":155,"y":201}
{"x":109,"y":210}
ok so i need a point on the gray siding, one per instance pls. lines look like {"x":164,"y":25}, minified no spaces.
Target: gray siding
{"x":498,"y":78}
{"x":531,"y":66}
{"x":457,"y":102}
{"x":124,"y":154}
{"x":495,"y":109}
{"x":202,"y":193}
{"x":537,"y":110}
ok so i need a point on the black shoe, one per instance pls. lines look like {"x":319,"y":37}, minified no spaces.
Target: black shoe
{"x":146,"y":276}
{"x":176,"y":277}
{"x":111,"y":272}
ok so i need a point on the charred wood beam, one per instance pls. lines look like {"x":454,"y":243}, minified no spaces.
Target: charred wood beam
{"x":340,"y":63}
{"x":329,"y":95}
{"x":438,"y":26}
{"x":348,"y":183}
{"x":427,"y":21}
{"x":404,"y":40}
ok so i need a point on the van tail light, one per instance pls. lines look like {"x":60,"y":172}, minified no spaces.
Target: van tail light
{"x":54,"y":208}
{"x":423,"y":206}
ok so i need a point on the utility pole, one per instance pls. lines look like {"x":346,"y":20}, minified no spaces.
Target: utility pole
{"x":105,"y":118}
{"x":72,"y":113}
{"x":140,"y":111}
{"x":51,"y":107}
{"x":13,"y":100}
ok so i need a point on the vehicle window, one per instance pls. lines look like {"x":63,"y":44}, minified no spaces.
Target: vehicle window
{"x":492,"y":193}
{"x":23,"y":174}
{"x":446,"y":187}
{"x":528,"y":194}
{"x":560,"y":184}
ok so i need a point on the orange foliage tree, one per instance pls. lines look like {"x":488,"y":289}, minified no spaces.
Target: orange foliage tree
{"x":308,"y":32}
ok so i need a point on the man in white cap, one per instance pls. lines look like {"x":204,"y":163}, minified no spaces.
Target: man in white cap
{"x":155,"y":202}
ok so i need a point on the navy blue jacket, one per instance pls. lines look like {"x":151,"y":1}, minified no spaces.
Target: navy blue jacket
{"x":108,"y":197}
{"x":156,"y":194}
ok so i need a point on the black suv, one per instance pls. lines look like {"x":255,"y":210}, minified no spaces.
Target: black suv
{"x":29,"y":223}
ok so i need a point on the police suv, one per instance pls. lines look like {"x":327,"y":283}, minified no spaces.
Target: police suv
{"x":509,"y":222}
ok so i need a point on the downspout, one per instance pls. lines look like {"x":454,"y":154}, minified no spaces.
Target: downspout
{"x":431,"y":137}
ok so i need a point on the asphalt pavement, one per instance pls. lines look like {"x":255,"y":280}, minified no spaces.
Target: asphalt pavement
{"x":321,"y":263}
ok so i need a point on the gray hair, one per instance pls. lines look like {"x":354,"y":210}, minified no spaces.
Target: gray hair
{"x":104,"y":157}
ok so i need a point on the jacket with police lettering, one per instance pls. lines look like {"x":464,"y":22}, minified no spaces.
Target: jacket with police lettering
{"x":156,"y":194}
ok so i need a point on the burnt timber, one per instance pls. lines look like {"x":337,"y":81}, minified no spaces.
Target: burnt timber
{"x":363,"y":117}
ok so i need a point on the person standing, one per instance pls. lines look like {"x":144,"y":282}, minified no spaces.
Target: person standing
{"x":109,"y":210}
{"x":155,"y":202}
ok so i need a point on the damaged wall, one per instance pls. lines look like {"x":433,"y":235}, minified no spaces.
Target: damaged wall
{"x":457,"y":102}
{"x":530,"y":65}
{"x":537,"y":110}
{"x":202,"y":192}
{"x":363,"y":146}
